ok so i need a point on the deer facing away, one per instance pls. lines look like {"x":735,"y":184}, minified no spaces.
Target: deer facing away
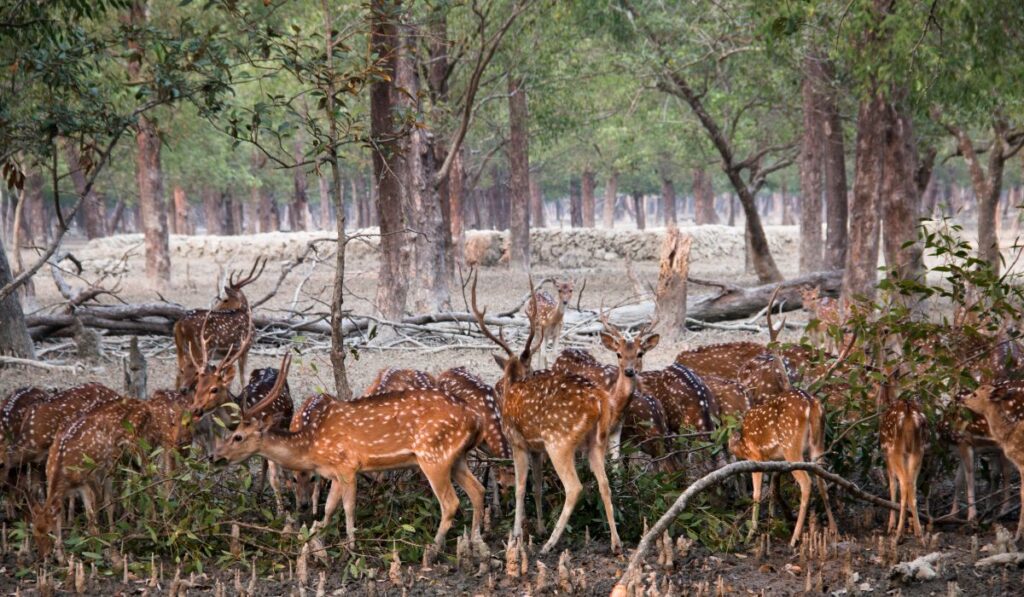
{"x":902,"y":435}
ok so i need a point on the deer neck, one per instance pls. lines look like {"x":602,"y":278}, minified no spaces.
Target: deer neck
{"x":289,"y":449}
{"x":999,"y":427}
{"x":620,"y":393}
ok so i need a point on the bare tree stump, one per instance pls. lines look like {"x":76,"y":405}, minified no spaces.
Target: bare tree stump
{"x":135,"y":371}
{"x":670,"y":297}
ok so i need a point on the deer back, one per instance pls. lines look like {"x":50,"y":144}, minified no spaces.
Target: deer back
{"x":479,"y":397}
{"x":902,"y":428}
{"x":779,"y":425}
{"x":686,"y":399}
{"x":16,"y":408}
{"x":261,"y":382}
{"x":543,"y":310}
{"x":166,"y":426}
{"x":731,"y":396}
{"x":766,"y":375}
{"x":644,"y":424}
{"x":720,"y":360}
{"x":551,"y":408}
{"x":391,"y":379}
{"x":580,"y":362}
{"x":46,"y":418}
{"x":311,"y":412}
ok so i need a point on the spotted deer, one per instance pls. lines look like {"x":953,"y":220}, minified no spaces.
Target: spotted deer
{"x":391,"y":379}
{"x":82,"y":460}
{"x":902,"y":434}
{"x":731,"y":396}
{"x":784,"y":427}
{"x":687,"y":401}
{"x":422,"y":428}
{"x":826,"y":312}
{"x":547,"y":313}
{"x":970,"y":433}
{"x":1003,"y":410}
{"x":480,"y":398}
{"x":643,"y":423}
{"x":719,"y":360}
{"x":556,"y":414}
{"x":225,"y":328}
{"x":211,"y":384}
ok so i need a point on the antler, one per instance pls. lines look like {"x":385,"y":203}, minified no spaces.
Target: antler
{"x":773,"y":332}
{"x":524,"y":357}
{"x":839,"y":360}
{"x":253,"y":275}
{"x":203,"y":354}
{"x":602,"y":315}
{"x":282,"y":379}
{"x":475,"y":274}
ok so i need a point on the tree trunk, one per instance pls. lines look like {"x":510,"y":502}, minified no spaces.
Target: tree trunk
{"x":116,"y":218}
{"x":300,"y":199}
{"x":640,"y":210}
{"x":704,"y":200}
{"x":323,"y":186}
{"x":670,"y":297}
{"x":213,"y":211}
{"x":900,"y":195}
{"x":33,"y":213}
{"x":611,"y":190}
{"x":859,"y":274}
{"x":668,"y":201}
{"x":836,"y":193}
{"x":587,"y":198}
{"x":575,"y":203}
{"x":92,"y":217}
{"x":456,"y":205}
{"x":387,"y":162}
{"x":519,"y":178}
{"x":811,"y":166}
{"x":182,"y":223}
{"x":536,"y":202}
{"x":14,"y":338}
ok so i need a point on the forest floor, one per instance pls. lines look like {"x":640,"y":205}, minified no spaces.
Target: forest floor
{"x":854,"y":564}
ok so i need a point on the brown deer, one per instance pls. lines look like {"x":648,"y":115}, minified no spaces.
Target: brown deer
{"x":687,"y":401}
{"x":973,"y":438}
{"x":211,"y":384}
{"x":1003,"y":409}
{"x":643,"y":422}
{"x":479,"y":397}
{"x":547,"y":313}
{"x":731,"y":396}
{"x":391,"y":379}
{"x":422,"y":428}
{"x":226,"y":327}
{"x":826,"y":312}
{"x":547,"y":412}
{"x":902,"y":435}
{"x":81,"y":460}
{"x":719,"y":360}
{"x":784,"y":427}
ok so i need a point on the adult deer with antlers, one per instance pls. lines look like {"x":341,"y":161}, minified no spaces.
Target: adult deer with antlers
{"x":547,"y":314}
{"x":547,"y":412}
{"x":422,"y":428}
{"x":225,"y":328}
{"x":902,"y":435}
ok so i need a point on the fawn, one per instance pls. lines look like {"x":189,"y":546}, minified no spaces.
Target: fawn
{"x":1003,"y":409}
{"x":547,"y":314}
{"x":421,"y":428}
{"x":902,"y":435}
{"x":81,"y":460}
{"x":826,"y":311}
{"x":226,"y":327}
{"x":784,"y":426}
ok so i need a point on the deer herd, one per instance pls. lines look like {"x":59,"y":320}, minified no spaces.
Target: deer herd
{"x":77,"y":437}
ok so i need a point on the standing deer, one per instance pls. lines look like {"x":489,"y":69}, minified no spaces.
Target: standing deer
{"x":902,"y":434}
{"x":1003,"y":409}
{"x":546,"y":314}
{"x":784,"y":427}
{"x":731,"y":396}
{"x":973,"y":438}
{"x":228,"y":326}
{"x":422,"y":428}
{"x":826,"y":311}
{"x":479,"y":397}
{"x":211,"y":384}
{"x":81,"y":460}
{"x":546,"y":412}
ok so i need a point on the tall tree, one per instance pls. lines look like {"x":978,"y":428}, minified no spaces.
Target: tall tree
{"x":14,"y":338}
{"x":811,"y":167}
{"x":611,"y":190}
{"x":519,"y":178}
{"x":703,"y":198}
{"x":575,"y":203}
{"x":587,"y":202}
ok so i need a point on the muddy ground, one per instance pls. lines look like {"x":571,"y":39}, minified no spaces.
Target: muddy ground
{"x":853,"y":563}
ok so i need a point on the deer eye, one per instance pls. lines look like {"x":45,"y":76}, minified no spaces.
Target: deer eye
{"x":237,"y":437}
{"x":618,"y":355}
{"x":639,"y":354}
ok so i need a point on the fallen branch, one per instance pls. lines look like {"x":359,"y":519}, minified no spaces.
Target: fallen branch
{"x":718,"y":476}
{"x":40,"y":365}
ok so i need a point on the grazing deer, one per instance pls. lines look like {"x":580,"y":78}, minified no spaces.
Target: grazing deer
{"x":211,"y":384}
{"x":547,"y":412}
{"x":1003,"y":408}
{"x":546,"y":314}
{"x":643,"y":422}
{"x":423,"y":428}
{"x":784,"y":427}
{"x":81,"y":460}
{"x":902,"y":434}
{"x":731,"y":396}
{"x":479,"y":397}
{"x":826,"y":311}
{"x":228,"y":326}
{"x":719,"y":360}
{"x":687,"y":401}
{"x":391,"y":379}
{"x":973,"y":438}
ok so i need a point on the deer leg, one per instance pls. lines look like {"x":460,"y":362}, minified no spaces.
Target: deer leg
{"x":958,"y":486}
{"x":333,"y":497}
{"x":521,"y":466}
{"x":596,"y":454}
{"x":273,"y":474}
{"x":89,"y":505}
{"x":914,"y":469}
{"x":823,"y":492}
{"x":1020,"y":520}
{"x":563,"y":459}
{"x":967,"y":457}
{"x":440,"y":478}
{"x":537,"y":467}
{"x":892,"y":498}
{"x":1004,"y":481}
{"x":757,"y":479}
{"x":804,"y":480}
{"x":315,"y":502}
{"x":348,"y":503}
{"x":615,"y":443}
{"x":475,"y":490}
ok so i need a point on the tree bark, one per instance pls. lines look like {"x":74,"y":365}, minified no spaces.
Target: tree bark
{"x":639,"y":210}
{"x":213,"y":211}
{"x":611,"y":190}
{"x":323,"y":186}
{"x":704,"y":199}
{"x":91,"y":213}
{"x":14,"y":338}
{"x":668,"y":201}
{"x":859,"y":275}
{"x":904,"y":253}
{"x":575,"y":203}
{"x":587,"y":206}
{"x":456,"y":203}
{"x":33,"y":213}
{"x":182,"y":223}
{"x":670,"y":297}
{"x":811,"y":167}
{"x":148,"y":172}
{"x":519,"y":176}
{"x":300,"y":198}
{"x":836,"y":193}
{"x":391,"y":284}
{"x":536,"y":202}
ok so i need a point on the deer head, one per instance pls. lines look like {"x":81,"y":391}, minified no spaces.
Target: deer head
{"x":565,"y":290}
{"x":247,"y":438}
{"x":629,"y":351}
{"x":44,"y":522}
{"x":234,"y":299}
{"x":212,"y":382}
{"x":514,"y":367}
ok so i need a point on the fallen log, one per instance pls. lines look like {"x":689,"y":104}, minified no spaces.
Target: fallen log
{"x":733,"y":302}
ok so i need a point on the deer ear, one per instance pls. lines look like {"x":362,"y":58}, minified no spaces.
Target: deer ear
{"x":651,"y":341}
{"x":609,"y":342}
{"x":501,"y":361}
